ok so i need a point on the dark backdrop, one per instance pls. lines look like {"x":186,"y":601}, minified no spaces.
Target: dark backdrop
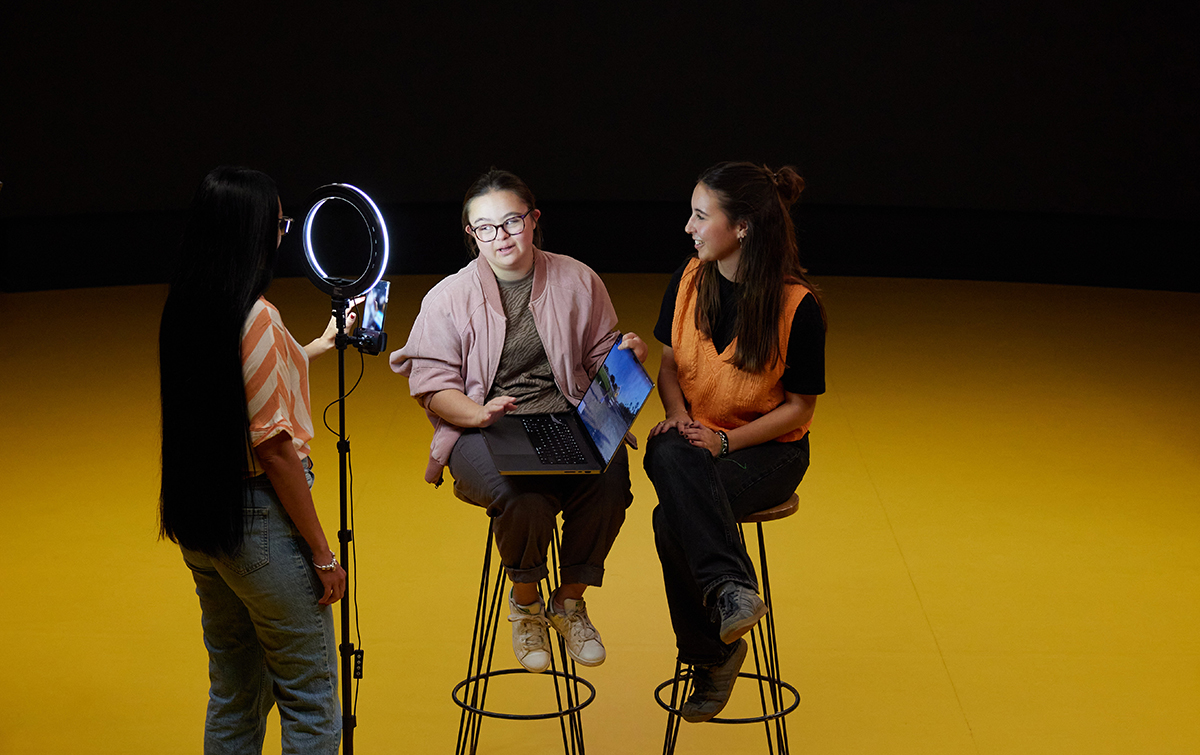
{"x":1046,"y":141}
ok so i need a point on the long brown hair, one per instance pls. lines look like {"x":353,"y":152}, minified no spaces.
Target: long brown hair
{"x":770,"y":258}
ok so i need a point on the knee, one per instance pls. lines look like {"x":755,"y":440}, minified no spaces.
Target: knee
{"x":523,"y":507}
{"x":670,"y":451}
{"x":617,"y":491}
{"x":613,"y":501}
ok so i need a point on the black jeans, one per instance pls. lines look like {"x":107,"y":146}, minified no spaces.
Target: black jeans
{"x":700,"y":499}
{"x":523,"y":509}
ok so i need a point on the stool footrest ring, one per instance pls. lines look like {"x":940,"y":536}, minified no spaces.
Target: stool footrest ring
{"x":524,"y":716}
{"x":686,"y":675}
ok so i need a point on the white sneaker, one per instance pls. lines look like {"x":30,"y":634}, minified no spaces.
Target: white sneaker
{"x":583,"y":641}
{"x":531,"y":641}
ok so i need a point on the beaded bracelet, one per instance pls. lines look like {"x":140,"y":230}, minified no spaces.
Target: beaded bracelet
{"x":724,"y":443}
{"x":329,"y":566}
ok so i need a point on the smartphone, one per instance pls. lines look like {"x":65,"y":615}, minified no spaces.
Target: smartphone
{"x":370,"y":335}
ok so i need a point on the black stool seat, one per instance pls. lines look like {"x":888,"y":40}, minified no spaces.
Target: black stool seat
{"x":471,"y":693}
{"x":777,"y":698}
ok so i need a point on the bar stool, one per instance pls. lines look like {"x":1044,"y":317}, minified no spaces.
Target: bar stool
{"x":777,"y":698}
{"x":491,"y":603}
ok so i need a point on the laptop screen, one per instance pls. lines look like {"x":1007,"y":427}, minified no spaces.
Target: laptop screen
{"x":614,"y":399}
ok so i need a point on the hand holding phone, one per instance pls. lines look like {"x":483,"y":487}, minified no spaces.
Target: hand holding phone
{"x":370,"y":337}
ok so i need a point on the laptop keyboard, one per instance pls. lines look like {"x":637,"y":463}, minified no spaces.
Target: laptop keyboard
{"x":553,"y":441}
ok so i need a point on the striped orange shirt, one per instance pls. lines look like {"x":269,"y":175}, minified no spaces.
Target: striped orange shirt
{"x":275,"y":371}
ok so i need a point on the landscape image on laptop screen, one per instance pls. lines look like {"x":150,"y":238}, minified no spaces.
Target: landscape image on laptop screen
{"x":614,"y":400}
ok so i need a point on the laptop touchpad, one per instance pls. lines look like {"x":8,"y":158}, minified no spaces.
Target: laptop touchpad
{"x":508,"y":437}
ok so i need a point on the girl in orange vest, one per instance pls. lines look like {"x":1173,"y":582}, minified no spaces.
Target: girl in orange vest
{"x":743,"y":336}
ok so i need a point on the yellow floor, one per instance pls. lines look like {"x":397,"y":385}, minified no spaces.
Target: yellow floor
{"x":998,"y":548}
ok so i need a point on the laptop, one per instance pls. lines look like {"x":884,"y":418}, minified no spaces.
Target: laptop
{"x":581,"y":441}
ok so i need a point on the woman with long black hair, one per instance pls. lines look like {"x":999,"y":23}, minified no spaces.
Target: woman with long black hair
{"x":743,"y":336}
{"x":236,"y":475}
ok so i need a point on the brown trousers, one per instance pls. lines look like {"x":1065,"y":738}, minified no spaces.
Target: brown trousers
{"x":523,"y":510}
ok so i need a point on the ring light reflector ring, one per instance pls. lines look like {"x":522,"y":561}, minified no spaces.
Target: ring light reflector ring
{"x":376,"y":228}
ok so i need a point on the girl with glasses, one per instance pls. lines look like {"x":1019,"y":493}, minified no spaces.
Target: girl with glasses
{"x":521,"y":330}
{"x":743,"y":336}
{"x":236,"y":475}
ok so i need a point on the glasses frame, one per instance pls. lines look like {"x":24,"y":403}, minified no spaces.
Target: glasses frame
{"x":497,"y":226}
{"x":285,"y":225}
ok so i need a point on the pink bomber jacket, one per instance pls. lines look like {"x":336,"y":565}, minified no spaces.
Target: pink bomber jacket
{"x":457,"y":337}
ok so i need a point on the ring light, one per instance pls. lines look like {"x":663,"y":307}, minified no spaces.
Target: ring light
{"x":341,"y":288}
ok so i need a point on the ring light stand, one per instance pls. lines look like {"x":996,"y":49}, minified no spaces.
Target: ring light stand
{"x":342,"y":292}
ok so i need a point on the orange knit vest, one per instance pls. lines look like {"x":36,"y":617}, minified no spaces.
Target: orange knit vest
{"x":720,"y":395}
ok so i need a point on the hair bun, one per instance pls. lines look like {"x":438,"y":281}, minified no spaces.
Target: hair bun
{"x":788,"y":183}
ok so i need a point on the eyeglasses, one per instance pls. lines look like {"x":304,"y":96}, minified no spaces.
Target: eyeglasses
{"x":285,"y":224}
{"x":512,"y":226}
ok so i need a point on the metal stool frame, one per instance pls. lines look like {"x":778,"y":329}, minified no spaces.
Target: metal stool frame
{"x":479,"y":665}
{"x":766,"y":659}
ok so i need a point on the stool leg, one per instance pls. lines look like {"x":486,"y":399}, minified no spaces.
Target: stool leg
{"x":572,"y":740}
{"x":492,"y":601}
{"x":771,"y":653}
{"x":673,"y":720}
{"x":762,"y":660}
{"x":467,"y":720}
{"x":499,"y":606}
{"x":483,"y":644}
{"x":763,"y":636}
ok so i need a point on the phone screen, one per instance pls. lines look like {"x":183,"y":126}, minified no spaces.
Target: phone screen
{"x":376,"y":307}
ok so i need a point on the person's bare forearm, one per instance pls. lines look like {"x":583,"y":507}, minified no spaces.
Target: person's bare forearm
{"x":459,"y":409}
{"x":284,"y":470}
{"x":674,"y":404}
{"x":792,"y":414}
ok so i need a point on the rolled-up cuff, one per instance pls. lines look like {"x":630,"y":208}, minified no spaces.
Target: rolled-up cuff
{"x":583,"y":574}
{"x":433,"y":472}
{"x":532,"y":574}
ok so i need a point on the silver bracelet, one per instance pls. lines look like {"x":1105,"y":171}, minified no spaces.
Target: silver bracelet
{"x":724,"y":443}
{"x":329,"y":566}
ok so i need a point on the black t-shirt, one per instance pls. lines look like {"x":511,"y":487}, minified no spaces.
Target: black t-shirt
{"x":805,"y":370}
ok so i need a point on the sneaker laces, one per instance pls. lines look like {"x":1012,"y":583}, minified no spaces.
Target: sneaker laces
{"x":729,"y":602}
{"x":531,"y":631}
{"x":581,"y":627}
{"x":727,"y":605}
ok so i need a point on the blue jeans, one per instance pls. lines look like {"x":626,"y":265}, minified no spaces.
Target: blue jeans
{"x":269,"y":641}
{"x":700,"y":499}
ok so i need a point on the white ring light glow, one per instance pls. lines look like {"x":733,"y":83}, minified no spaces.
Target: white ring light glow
{"x":376,"y":227}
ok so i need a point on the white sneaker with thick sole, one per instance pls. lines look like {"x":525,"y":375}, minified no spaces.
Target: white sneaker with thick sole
{"x":582,"y":640}
{"x":531,"y":641}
